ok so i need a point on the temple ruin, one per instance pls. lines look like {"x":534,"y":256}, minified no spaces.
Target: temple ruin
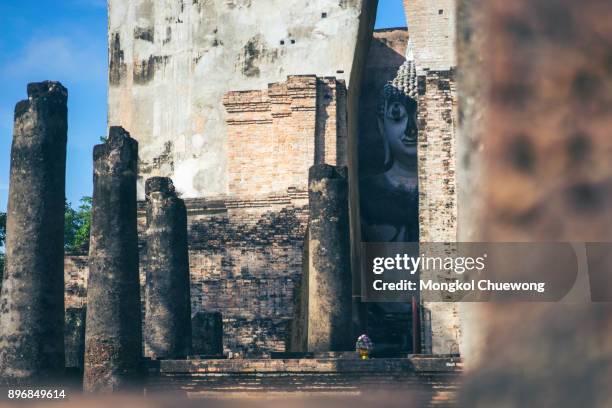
{"x":238,"y":150}
{"x":255,"y":146}
{"x":240,"y":178}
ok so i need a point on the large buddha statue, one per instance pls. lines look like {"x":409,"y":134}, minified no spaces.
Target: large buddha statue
{"x":389,"y":201}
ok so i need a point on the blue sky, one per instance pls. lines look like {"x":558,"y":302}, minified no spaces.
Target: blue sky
{"x":65,"y":40}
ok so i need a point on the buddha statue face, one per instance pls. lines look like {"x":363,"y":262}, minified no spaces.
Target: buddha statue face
{"x":398,"y":125}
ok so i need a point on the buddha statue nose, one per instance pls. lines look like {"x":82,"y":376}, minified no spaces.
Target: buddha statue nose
{"x":411,"y":133}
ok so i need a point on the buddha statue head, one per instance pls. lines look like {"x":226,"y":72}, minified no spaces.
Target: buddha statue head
{"x":397,"y":120}
{"x":389,"y":201}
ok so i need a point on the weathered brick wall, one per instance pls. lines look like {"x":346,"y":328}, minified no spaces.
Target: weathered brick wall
{"x":245,"y":258}
{"x":432,"y":32}
{"x":76,"y":271}
{"x":437,"y":183}
{"x":276,"y":134}
{"x":438,"y":196}
{"x":331,"y":134}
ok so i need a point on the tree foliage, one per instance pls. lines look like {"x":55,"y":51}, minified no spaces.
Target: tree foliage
{"x":76,"y":229}
{"x":76,"y":226}
{"x":2,"y":228}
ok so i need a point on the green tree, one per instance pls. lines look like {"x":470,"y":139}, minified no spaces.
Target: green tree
{"x":2,"y":228}
{"x":76,"y":227}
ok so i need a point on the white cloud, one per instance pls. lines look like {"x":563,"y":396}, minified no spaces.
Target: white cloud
{"x":58,"y":58}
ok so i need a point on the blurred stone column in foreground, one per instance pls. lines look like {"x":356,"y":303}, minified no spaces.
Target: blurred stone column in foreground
{"x":113,"y":334}
{"x":547,"y":176}
{"x":472,"y":88}
{"x":329,"y":272}
{"x":168,"y":309}
{"x":32,"y":302}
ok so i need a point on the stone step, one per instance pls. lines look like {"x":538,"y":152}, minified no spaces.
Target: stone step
{"x":430,"y":381}
{"x":437,"y":364}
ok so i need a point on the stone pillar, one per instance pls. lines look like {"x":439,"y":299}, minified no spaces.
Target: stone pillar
{"x":32,"y":301}
{"x":113,"y":337}
{"x":74,"y":337}
{"x":168,"y":310}
{"x":437,"y":163}
{"x":298,"y":341}
{"x":329,"y":272}
{"x":207,"y":334}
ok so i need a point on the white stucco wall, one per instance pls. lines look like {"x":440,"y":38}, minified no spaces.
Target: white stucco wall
{"x":171,"y":62}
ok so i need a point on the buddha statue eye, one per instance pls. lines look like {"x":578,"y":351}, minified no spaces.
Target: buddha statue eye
{"x":396,"y":111}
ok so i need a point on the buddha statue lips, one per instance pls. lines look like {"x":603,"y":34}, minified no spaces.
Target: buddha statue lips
{"x":408,"y":141}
